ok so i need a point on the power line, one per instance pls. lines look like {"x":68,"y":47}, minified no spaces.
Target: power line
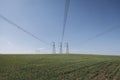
{"x":67,"y":3}
{"x":20,"y":28}
{"x":101,"y":34}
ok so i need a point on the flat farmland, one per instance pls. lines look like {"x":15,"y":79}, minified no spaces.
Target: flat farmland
{"x":59,"y":67}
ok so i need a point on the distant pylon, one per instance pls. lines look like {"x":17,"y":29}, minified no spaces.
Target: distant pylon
{"x":67,"y":48}
{"x":61,"y":48}
{"x":53,"y":48}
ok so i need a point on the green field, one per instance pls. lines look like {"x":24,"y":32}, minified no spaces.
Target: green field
{"x":59,"y":67}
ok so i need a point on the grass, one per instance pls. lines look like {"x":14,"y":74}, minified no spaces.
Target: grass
{"x":59,"y":67}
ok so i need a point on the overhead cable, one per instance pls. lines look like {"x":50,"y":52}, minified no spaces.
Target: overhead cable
{"x":20,"y":28}
{"x":67,"y":3}
{"x":101,"y":34}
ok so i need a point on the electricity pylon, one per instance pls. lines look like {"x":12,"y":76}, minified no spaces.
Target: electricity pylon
{"x":67,"y":48}
{"x":61,"y":50}
{"x":53,"y":48}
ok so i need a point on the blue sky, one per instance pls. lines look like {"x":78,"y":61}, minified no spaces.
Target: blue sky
{"x":44,"y":18}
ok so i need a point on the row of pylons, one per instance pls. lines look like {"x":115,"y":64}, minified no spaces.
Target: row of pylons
{"x":60,"y":48}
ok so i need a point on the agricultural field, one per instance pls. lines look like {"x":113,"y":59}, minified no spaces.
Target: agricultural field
{"x":59,"y":67}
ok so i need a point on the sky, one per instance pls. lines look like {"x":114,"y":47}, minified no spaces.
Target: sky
{"x":44,"y":19}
